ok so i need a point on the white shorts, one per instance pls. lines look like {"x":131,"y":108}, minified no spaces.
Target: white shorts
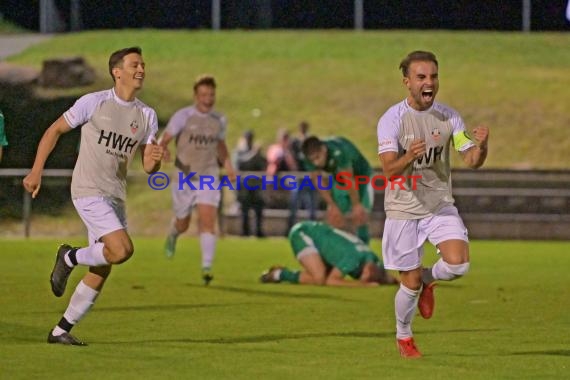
{"x":101,"y":216}
{"x":185,"y":199}
{"x":403,"y":240}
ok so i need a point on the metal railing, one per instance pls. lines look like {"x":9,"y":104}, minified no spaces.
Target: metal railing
{"x":536,"y":188}
{"x":27,"y":200}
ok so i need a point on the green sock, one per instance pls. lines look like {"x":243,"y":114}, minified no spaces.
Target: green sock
{"x":289,"y":276}
{"x":362,"y":233}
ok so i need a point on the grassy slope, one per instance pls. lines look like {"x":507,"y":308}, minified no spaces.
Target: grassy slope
{"x":343,"y":81}
{"x":506,"y":319}
{"x":7,"y":27}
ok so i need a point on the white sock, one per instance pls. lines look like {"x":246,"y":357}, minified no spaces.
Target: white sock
{"x":406,"y":300}
{"x":91,"y":256}
{"x":447,"y":272}
{"x":80,"y":303}
{"x":68,"y":260}
{"x":57,"y":331}
{"x":208,"y":245}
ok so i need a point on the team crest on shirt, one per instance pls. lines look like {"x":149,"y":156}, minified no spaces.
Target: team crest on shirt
{"x":435,"y":133}
{"x":134,"y":127}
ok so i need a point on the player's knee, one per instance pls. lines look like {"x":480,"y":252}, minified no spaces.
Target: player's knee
{"x":182,"y":224}
{"x":458,"y":270}
{"x":120,"y":253}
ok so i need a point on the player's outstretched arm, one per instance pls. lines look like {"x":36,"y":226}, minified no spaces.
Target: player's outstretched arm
{"x":359,"y":215}
{"x":336,"y":278}
{"x":334,"y":215}
{"x":32,"y":181}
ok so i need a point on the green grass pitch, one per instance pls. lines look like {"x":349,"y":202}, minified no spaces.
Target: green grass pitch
{"x":507,"y":319}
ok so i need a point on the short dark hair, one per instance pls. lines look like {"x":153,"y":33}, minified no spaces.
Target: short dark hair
{"x":116,"y":59}
{"x":415,"y":56}
{"x":204,"y":80}
{"x":310,"y":145}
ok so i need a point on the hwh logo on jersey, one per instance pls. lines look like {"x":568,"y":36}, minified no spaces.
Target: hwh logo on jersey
{"x":118,"y":141}
{"x":202,"y":139}
{"x":432,"y":153}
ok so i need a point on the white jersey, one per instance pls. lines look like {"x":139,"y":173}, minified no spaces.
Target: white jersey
{"x":439,"y":126}
{"x":112,"y":129}
{"x":197,"y":137}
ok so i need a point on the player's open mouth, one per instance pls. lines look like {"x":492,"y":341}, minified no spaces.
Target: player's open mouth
{"x":427,"y":95}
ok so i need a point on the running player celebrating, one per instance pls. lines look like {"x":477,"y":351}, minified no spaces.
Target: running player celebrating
{"x":414,"y":137}
{"x":114,"y":124}
{"x":200,"y":147}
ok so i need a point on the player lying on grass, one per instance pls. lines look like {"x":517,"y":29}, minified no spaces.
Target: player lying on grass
{"x":327,"y":255}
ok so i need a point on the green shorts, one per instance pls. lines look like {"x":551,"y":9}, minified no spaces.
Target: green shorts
{"x":342,"y":197}
{"x":352,"y":264}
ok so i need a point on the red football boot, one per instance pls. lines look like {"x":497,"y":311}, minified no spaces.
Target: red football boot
{"x":408,"y":348}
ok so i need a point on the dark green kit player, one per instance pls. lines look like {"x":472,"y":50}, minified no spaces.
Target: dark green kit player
{"x":327,"y":255}
{"x":338,"y":156}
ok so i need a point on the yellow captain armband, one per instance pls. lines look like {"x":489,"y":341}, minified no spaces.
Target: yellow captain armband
{"x":461,"y":139}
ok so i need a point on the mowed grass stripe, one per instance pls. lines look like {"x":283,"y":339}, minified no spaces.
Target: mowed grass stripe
{"x":506,"y":319}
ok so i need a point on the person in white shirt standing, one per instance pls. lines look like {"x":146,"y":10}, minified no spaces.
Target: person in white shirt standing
{"x":114,"y":124}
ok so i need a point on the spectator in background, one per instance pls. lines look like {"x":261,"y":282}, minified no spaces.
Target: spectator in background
{"x":307,"y":196}
{"x":248,"y":157}
{"x":3,"y":141}
{"x":279,"y":155}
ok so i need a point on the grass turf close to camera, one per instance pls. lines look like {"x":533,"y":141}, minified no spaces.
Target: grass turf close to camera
{"x":508,"y":318}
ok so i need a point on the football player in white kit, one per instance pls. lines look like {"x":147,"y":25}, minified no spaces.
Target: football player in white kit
{"x":199,"y":133}
{"x":114,"y":124}
{"x":414,"y":137}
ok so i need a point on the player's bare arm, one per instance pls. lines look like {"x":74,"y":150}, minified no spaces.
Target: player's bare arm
{"x":224,"y":157}
{"x":163,"y":141}
{"x":358,"y":211}
{"x":475,"y":157}
{"x":336,"y":278}
{"x":334,"y":215}
{"x":33,"y":180}
{"x":393,"y":165}
{"x":152,"y":157}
